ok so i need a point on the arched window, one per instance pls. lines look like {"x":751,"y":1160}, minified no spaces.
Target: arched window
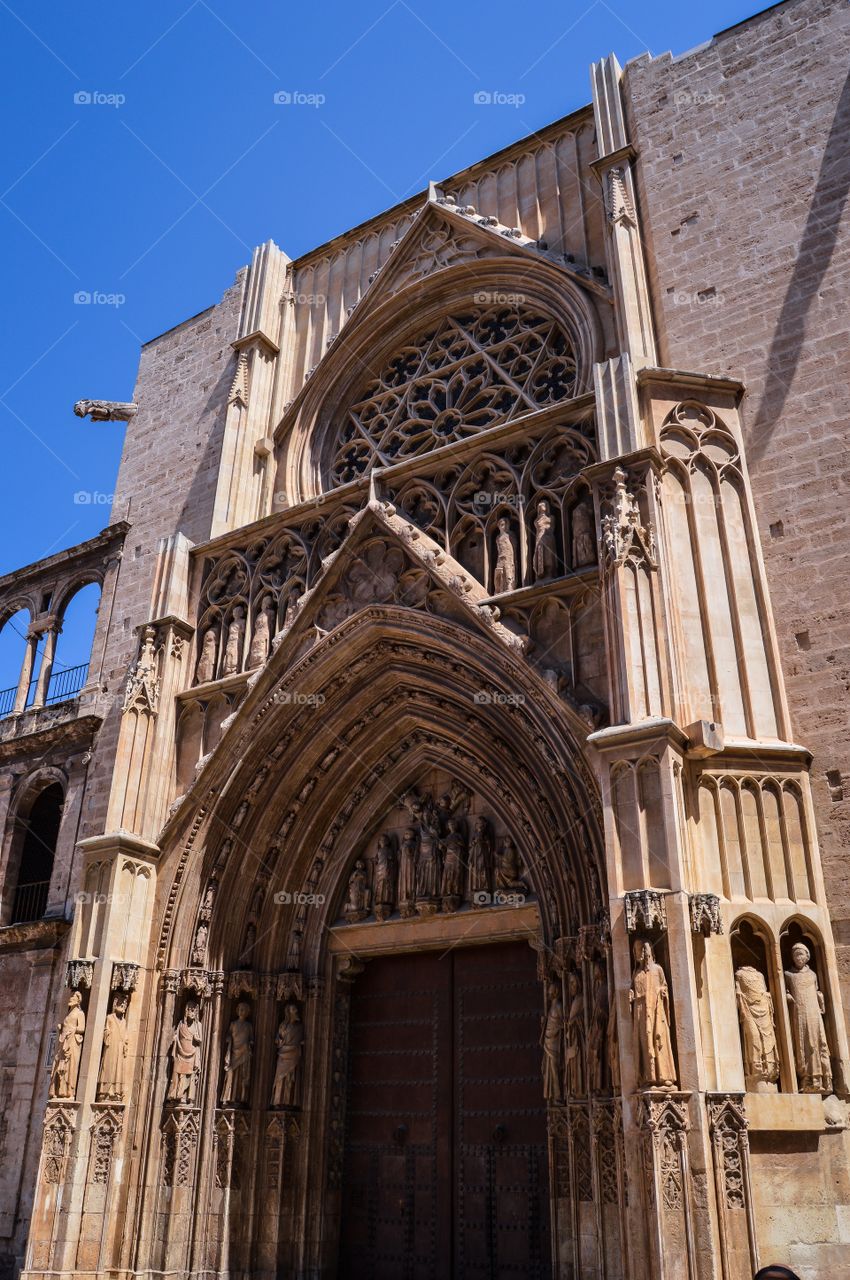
{"x":70,"y":660}
{"x":13,"y":651}
{"x":37,"y":835}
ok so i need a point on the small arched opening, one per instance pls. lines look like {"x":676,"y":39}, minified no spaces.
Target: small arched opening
{"x":36,"y":838}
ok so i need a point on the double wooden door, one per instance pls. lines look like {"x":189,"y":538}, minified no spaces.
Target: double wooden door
{"x":445,"y":1174}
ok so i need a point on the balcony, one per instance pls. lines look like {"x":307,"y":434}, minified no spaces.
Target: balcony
{"x":62,"y":686}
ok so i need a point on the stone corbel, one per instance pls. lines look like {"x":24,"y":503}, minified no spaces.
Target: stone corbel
{"x":79,"y":975}
{"x":705,"y":913}
{"x":125,"y":976}
{"x":290,"y":986}
{"x":244,"y":982}
{"x":645,"y":909}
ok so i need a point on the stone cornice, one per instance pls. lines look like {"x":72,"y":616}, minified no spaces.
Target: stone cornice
{"x":33,"y":935}
{"x":112,"y":534}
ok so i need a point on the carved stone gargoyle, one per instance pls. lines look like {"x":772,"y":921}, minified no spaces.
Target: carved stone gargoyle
{"x":105,"y":410}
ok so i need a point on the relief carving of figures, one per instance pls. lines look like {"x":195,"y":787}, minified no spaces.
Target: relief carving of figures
{"x":504,"y":578}
{"x":289,"y":1044}
{"x":622,"y":530}
{"x":650,"y":1001}
{"x":185,"y":1057}
{"x":205,"y":669}
{"x":758,"y":1030}
{"x":357,"y":901}
{"x":574,"y":1076}
{"x":385,"y":878}
{"x":111,"y":1082}
{"x":261,"y":639}
{"x":808,"y":1034}
{"x":451,"y":887}
{"x":509,"y":868}
{"x":480,"y":858}
{"x":598,"y":1029}
{"x":428,"y":869}
{"x":545,"y":561}
{"x":69,"y":1043}
{"x":584,"y":543}
{"x":233,"y":646}
{"x":552,"y":1040}
{"x":237,"y":1058}
{"x":407,"y":873}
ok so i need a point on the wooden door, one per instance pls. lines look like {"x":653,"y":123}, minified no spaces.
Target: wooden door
{"x":445,"y":1170}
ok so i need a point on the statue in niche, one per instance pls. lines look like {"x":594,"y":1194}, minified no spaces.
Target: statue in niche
{"x":808,"y":1034}
{"x":69,"y":1044}
{"x":755,"y":1010}
{"x":598,"y":1029}
{"x":111,"y":1080}
{"x":509,"y":868}
{"x":292,"y":602}
{"x":209,"y":899}
{"x":545,"y":561}
{"x":584,"y":547}
{"x":504,"y":578}
{"x":480,"y":858}
{"x":357,"y":902}
{"x":205,"y":669}
{"x":237,"y":1058}
{"x":649,"y":998}
{"x":552,"y":1040}
{"x":289,"y":1045}
{"x":233,"y":647}
{"x":186,"y":1057}
{"x":250,"y":940}
{"x":574,"y":1058}
{"x":613,"y":1039}
{"x":385,"y":869}
{"x":407,"y":873}
{"x":428,"y":864}
{"x":451,"y":887}
{"x":199,"y":947}
{"x":261,"y":639}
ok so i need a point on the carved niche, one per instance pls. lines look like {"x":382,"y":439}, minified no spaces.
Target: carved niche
{"x":441,"y":849}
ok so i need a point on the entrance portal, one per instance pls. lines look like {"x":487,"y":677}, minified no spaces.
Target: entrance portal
{"x":445,"y":1172}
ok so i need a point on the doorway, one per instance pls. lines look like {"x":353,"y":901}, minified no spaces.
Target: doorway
{"x":445,"y":1169}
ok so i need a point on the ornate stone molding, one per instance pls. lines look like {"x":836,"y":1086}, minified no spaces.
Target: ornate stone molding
{"x":705,"y":913}
{"x":624,"y":534}
{"x":125,"y":976}
{"x":141,"y":692}
{"x":645,"y":909}
{"x":79,"y":974}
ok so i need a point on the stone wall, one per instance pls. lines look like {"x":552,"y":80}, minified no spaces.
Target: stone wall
{"x":743,"y":172}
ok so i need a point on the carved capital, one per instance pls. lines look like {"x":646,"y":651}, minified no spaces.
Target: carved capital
{"x":125,"y":976}
{"x":645,"y":909}
{"x":199,"y":982}
{"x":290,"y":986}
{"x":242,"y":983}
{"x":705,"y":913}
{"x":170,"y":982}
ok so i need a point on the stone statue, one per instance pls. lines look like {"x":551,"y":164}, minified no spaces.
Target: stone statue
{"x":650,"y":1001}
{"x":289,"y":1044}
{"x":237,"y":1058}
{"x":407,"y":874}
{"x":233,"y":647}
{"x":111,"y":1081}
{"x":574,"y":1060}
{"x":480,"y":858}
{"x":205,"y":669}
{"x":428,"y":863}
{"x":613,"y":1038}
{"x":504,"y":578}
{"x":808,"y":1034}
{"x":509,"y":868}
{"x":584,"y":547}
{"x":598,"y":1029}
{"x":755,"y":1010}
{"x":545,"y":562}
{"x":69,"y":1043}
{"x":451,"y":886}
{"x":199,"y":948}
{"x":552,"y":1039}
{"x":385,"y":869}
{"x":261,"y":639}
{"x":292,"y":602}
{"x":186,"y":1057}
{"x":357,"y":903}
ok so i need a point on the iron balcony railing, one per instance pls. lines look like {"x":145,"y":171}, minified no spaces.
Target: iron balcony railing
{"x":62,"y":686}
{"x":30,"y":901}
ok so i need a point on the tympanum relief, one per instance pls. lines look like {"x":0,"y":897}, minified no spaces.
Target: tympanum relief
{"x":439,"y":851}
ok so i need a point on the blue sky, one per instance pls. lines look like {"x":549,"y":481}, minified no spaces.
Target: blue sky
{"x":150,"y":192}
